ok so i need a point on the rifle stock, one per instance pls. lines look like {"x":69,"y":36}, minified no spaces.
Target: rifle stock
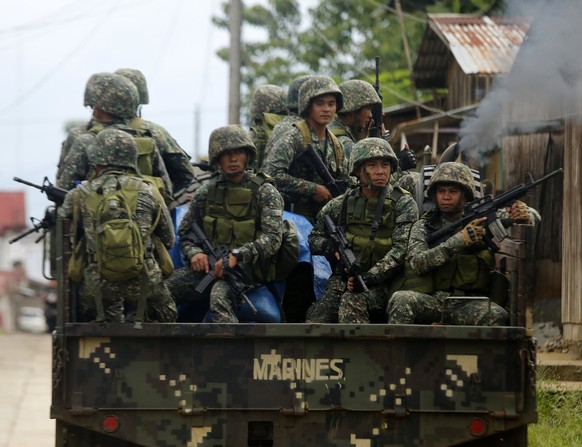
{"x":236,"y":279}
{"x":487,"y":207}
{"x":347,"y":256}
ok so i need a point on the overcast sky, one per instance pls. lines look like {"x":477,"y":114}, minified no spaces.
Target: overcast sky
{"x":48,"y":50}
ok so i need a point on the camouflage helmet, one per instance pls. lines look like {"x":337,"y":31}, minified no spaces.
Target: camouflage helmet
{"x":358,"y":94}
{"x":317,"y":86}
{"x":232,"y":136}
{"x":268,"y":98}
{"x":368,"y":149}
{"x":455,"y":173}
{"x":138,"y":80}
{"x":293,"y":92}
{"x":113,"y":147}
{"x":112,"y":93}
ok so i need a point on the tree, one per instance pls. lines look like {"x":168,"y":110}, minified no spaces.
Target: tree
{"x":339,"y":38}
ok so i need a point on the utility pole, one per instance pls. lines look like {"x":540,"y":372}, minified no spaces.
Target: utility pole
{"x":406,"y":50}
{"x":235,"y":25}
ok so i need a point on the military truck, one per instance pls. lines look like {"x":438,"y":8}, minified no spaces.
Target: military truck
{"x":296,"y":384}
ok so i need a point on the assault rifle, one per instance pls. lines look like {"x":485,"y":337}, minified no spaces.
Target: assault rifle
{"x":43,"y":225}
{"x":54,"y":194}
{"x":376,"y":131}
{"x":487,"y":207}
{"x":236,"y":278}
{"x":336,"y":187}
{"x":347,"y":256}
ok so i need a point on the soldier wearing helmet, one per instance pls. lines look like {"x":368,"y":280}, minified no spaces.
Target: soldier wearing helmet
{"x":298,"y":179}
{"x":354,"y":121}
{"x":268,"y":107}
{"x":114,"y":100}
{"x":113,"y":153}
{"x":176,"y":160}
{"x":292,"y":115}
{"x":237,"y":209}
{"x":376,"y":217}
{"x":459,"y":266}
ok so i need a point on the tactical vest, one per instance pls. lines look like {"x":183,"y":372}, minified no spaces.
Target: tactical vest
{"x":231,"y":215}
{"x":306,"y":172}
{"x":357,"y":216}
{"x":467,"y":272}
{"x":262,"y":133}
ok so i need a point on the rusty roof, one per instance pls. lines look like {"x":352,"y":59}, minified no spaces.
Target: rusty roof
{"x":12,"y":211}
{"x":480,"y":45}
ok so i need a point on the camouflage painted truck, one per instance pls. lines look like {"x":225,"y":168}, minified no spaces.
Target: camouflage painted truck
{"x":296,"y":384}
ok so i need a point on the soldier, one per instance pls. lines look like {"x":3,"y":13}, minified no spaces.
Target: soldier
{"x":113,"y":153}
{"x":268,"y":107}
{"x":177,"y":161}
{"x":236,"y":209}
{"x":114,"y":100}
{"x":292,"y":114}
{"x":353,"y":122}
{"x":376,"y":217}
{"x":297,"y":179}
{"x":459,"y":266}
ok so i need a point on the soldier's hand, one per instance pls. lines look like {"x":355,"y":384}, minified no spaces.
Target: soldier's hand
{"x":519,"y":212}
{"x":473,"y":232}
{"x":218,"y":269}
{"x":322,"y":194}
{"x":199,"y":263}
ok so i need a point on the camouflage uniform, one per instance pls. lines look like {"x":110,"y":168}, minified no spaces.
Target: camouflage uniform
{"x":381,"y":259}
{"x":448,"y":269}
{"x":295,"y":179}
{"x":116,"y":152}
{"x":268,"y":107}
{"x":266,"y":209}
{"x":177,"y":161}
{"x":357,"y":94}
{"x":119,"y":97}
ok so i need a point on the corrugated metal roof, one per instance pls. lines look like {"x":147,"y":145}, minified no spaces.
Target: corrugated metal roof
{"x":12,"y":211}
{"x":480,"y":45}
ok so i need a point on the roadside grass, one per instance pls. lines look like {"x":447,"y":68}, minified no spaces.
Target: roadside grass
{"x":559,"y":415}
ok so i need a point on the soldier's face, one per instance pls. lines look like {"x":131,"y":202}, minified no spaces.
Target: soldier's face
{"x":364,"y":117}
{"x":448,"y":197}
{"x":323,"y":109}
{"x":375,"y":172}
{"x":233,"y":162}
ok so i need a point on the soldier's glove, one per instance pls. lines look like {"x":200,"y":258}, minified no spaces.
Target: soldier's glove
{"x":472,"y":233}
{"x":519,"y":212}
{"x":406,"y":159}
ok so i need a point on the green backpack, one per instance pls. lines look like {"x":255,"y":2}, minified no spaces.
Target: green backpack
{"x":120,"y":249}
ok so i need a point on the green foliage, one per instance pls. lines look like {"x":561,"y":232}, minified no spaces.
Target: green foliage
{"x":558,"y":415}
{"x":342,"y":39}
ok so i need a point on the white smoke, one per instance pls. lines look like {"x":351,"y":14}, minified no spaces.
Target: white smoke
{"x":546,"y":76}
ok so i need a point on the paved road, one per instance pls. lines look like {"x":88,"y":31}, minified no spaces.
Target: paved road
{"x":25,"y":391}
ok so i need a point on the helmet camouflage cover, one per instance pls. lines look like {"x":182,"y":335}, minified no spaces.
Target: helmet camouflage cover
{"x":455,"y":173}
{"x":371,"y":148}
{"x":113,"y":147}
{"x":318,"y":86}
{"x":112,"y":93}
{"x":358,"y":94}
{"x":293,"y":92}
{"x":268,"y":98}
{"x":138,"y":80}
{"x":232,"y":136}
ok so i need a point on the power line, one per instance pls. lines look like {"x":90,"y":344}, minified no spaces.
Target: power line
{"x":61,"y":63}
